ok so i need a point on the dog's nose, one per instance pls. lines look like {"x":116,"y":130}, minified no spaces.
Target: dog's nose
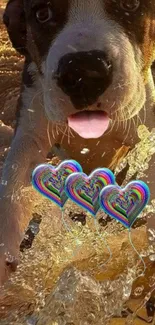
{"x":84,"y":76}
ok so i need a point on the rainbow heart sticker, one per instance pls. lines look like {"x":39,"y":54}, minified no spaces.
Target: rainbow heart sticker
{"x":125,"y":204}
{"x":50,"y":181}
{"x":84,"y":190}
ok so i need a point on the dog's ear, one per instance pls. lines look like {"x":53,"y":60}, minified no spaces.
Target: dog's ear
{"x":14,"y":20}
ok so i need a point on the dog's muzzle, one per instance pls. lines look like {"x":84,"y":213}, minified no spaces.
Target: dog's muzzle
{"x":84,"y":76}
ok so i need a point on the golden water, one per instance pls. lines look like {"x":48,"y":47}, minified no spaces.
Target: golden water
{"x":70,"y":269}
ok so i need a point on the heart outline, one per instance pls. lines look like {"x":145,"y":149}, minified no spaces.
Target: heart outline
{"x":98,"y":176}
{"x":138,"y":188}
{"x":68,"y":166}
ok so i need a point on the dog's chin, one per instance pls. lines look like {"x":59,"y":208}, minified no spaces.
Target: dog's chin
{"x":89,"y":124}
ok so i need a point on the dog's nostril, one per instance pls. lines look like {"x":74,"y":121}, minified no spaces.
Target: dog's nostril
{"x":84,"y":76}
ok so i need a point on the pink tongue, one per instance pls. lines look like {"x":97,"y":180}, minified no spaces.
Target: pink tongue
{"x":89,"y":124}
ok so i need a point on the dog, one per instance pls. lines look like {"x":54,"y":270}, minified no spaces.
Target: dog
{"x":86,"y":77}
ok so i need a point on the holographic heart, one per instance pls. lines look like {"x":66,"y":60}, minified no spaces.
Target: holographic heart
{"x":50,"y":181}
{"x":84,"y":190}
{"x":125,"y":204}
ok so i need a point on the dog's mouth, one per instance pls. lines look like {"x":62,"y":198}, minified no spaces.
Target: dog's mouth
{"x":89,"y":124}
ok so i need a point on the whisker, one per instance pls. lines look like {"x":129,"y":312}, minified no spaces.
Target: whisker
{"x":30,"y":112}
{"x":144,"y":109}
{"x":125,"y":122}
{"x":48,"y":134}
{"x":57,"y":131}
{"x":128,"y":129}
{"x":63,"y":134}
{"x":68,"y":135}
{"x":61,"y":130}
{"x":53,"y":134}
{"x":71,"y":132}
{"x":137,"y":122}
{"x":139,"y":118}
{"x":133,"y":120}
{"x":118,"y":122}
{"x":112,"y":123}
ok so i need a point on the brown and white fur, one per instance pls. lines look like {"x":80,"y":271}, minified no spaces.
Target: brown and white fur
{"x":45,"y":32}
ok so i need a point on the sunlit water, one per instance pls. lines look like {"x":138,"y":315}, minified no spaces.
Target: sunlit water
{"x":64,"y":277}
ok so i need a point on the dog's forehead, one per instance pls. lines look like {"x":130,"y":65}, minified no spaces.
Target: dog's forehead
{"x":61,"y":4}
{"x":113,"y":5}
{"x":132,"y":22}
{"x":138,"y":25}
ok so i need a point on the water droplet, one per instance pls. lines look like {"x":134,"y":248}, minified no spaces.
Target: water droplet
{"x":3,"y":182}
{"x":152,"y":232}
{"x":138,"y":291}
{"x":15,"y":166}
{"x":31,"y":110}
{"x":31,"y":321}
{"x":152,"y":280}
{"x":85,"y":150}
{"x":152,"y":257}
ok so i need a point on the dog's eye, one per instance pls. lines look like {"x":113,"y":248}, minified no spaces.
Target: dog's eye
{"x":130,"y":5}
{"x":44,"y":14}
